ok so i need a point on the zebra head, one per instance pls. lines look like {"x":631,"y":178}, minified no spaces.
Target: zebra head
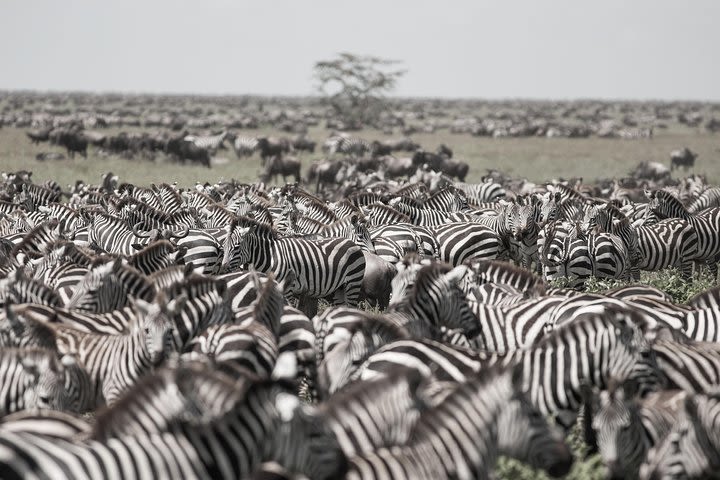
{"x":302,"y":441}
{"x":78,"y":386}
{"x":525,"y":434}
{"x":45,"y":375}
{"x":691,"y":448}
{"x":236,"y":249}
{"x":155,"y":327}
{"x":361,"y":234}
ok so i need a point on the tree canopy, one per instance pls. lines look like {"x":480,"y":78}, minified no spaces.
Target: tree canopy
{"x":355,"y":85}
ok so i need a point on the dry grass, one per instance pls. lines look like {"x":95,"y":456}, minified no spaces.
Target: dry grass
{"x":536,"y":159}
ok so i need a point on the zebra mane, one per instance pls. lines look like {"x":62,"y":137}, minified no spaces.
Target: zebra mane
{"x":145,"y":209}
{"x":167,"y":190}
{"x":260,"y":229}
{"x":395,"y":215}
{"x":43,"y":229}
{"x":197,"y":285}
{"x":663,"y":196}
{"x":484,"y":269}
{"x":568,"y":192}
{"x":42,"y":335}
{"x":414,"y":190}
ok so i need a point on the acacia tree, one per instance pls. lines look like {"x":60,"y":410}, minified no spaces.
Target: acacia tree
{"x":355,"y":85}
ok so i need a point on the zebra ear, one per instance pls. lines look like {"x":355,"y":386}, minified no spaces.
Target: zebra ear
{"x":648,"y":193}
{"x":456,"y":274}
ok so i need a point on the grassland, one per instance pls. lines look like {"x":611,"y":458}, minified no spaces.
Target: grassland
{"x":536,"y":159}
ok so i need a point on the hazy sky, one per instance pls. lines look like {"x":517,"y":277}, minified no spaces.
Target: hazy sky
{"x":505,"y":48}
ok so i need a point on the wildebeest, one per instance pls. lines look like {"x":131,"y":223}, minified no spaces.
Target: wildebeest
{"x":281,"y":166}
{"x":272,"y":147}
{"x":185,"y":150}
{"x":682,"y":158}
{"x":43,"y":156}
{"x":441,"y":163}
{"x":73,"y":141}
{"x":303,"y":143}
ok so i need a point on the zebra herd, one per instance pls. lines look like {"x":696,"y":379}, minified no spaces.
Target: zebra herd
{"x":188,"y":322}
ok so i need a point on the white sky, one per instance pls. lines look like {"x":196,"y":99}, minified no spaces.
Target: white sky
{"x":642,"y":49}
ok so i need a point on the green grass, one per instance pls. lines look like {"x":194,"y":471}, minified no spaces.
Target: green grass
{"x":537,"y":159}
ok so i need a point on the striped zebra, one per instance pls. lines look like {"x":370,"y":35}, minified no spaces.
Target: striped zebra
{"x":692,"y":448}
{"x":116,"y":362}
{"x":590,"y":350}
{"x":710,"y":298}
{"x":32,"y":378}
{"x":374,"y":414}
{"x":434,"y":300}
{"x":48,"y":423}
{"x":504,"y":273}
{"x":462,"y":437}
{"x":113,"y":235}
{"x":627,"y":426}
{"x":68,"y":218}
{"x":353,"y":228}
{"x":710,"y":198}
{"x":211,"y":143}
{"x":412,"y":238}
{"x":245,"y":146}
{"x":523,"y":218}
{"x":155,"y":256}
{"x":323,"y":268}
{"x":449,"y":199}
{"x":459,"y":242}
{"x":477,"y":193}
{"x":348,"y":145}
{"x":706,"y":225}
{"x":689,"y":365}
{"x":430,"y":218}
{"x":563,"y":254}
{"x":189,"y":390}
{"x":270,"y":424}
{"x":248,"y":346}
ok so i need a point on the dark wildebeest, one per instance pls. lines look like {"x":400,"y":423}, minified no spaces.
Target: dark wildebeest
{"x":445,"y":150}
{"x":281,"y":166}
{"x":441,"y":163}
{"x":184,"y":150}
{"x":303,"y":143}
{"x":682,"y":158}
{"x":73,"y":141}
{"x":272,"y":147}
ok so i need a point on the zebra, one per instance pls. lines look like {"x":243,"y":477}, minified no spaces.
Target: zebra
{"x":504,"y":273}
{"x":710,"y":198}
{"x":376,"y":413}
{"x":592,"y":349}
{"x":48,"y":423}
{"x":269,"y":424}
{"x":428,"y":218}
{"x":113,"y":235}
{"x":190,"y":390}
{"x":691,"y":448}
{"x":449,"y":199}
{"x":459,"y":242}
{"x":706,"y":225}
{"x":563,"y":254}
{"x":210,"y":143}
{"x":322,"y":268}
{"x":412,"y":238}
{"x":461,"y":437}
{"x":250,"y":345}
{"x":688,"y":365}
{"x":627,"y":426}
{"x":32,"y":378}
{"x":347,"y":145}
{"x":433,"y":301}
{"x":477,"y":193}
{"x":245,"y":146}
{"x":115,"y":362}
{"x":352,"y":228}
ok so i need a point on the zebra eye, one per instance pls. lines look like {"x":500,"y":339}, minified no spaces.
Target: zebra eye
{"x":147,"y":331}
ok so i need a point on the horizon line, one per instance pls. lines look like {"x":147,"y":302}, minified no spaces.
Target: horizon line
{"x":391,"y":97}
